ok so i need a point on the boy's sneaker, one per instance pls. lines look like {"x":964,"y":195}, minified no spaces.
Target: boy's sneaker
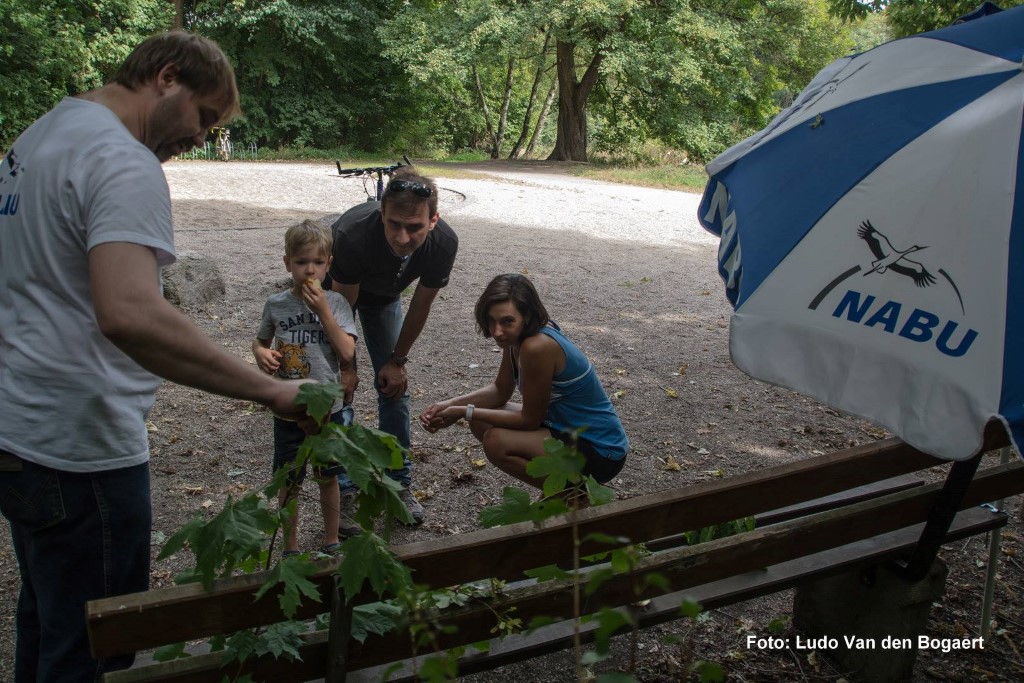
{"x":347,"y":525}
{"x":413,"y":505}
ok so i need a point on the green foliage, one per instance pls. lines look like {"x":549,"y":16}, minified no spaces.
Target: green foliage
{"x":235,"y":534}
{"x":377,"y":617}
{"x":907,"y":17}
{"x":168,"y":653}
{"x":292,"y":573}
{"x":53,"y":48}
{"x":278,"y":640}
{"x":560,"y":466}
{"x":368,"y":558}
{"x":610,"y":622}
{"x":616,"y":677}
{"x":723,"y":530}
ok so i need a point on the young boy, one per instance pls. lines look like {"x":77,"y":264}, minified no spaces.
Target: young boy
{"x":307,"y":332}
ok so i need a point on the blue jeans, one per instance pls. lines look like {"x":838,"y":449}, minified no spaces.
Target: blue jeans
{"x":381,"y":327}
{"x":77,"y":537}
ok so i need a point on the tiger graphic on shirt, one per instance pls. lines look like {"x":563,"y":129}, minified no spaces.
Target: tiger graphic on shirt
{"x":294,"y":362}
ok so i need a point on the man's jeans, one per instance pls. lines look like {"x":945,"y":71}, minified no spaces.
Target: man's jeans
{"x":381,"y":327}
{"x":77,"y":537}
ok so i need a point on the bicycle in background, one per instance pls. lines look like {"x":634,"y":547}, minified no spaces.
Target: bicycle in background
{"x":373,"y":177}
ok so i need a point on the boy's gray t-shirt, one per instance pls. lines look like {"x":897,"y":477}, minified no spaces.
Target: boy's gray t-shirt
{"x":298,"y":335}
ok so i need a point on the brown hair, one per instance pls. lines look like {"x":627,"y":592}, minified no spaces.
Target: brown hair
{"x":408,"y":202}
{"x":521,"y":292}
{"x":202,"y":67}
{"x":307,"y":232}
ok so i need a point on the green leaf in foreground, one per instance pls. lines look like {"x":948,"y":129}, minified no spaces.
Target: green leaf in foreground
{"x":170,"y":652}
{"x":367,"y":555}
{"x":293,"y":574}
{"x":559,"y":466}
{"x":377,"y":618}
{"x":319,"y":398}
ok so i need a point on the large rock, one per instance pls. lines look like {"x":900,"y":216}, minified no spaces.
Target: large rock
{"x":193,"y":281}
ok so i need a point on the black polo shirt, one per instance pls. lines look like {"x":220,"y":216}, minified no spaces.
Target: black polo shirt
{"x":362,"y":257}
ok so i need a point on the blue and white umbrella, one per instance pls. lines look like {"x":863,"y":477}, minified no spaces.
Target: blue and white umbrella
{"x":872,"y":237}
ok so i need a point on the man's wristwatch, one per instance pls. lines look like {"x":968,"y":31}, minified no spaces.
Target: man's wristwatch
{"x":399,"y":360}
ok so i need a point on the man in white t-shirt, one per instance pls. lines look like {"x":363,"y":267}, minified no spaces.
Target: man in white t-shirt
{"x":85,"y":335}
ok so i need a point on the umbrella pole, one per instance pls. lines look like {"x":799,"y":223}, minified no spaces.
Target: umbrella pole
{"x":939,"y":519}
{"x":993,"y":562}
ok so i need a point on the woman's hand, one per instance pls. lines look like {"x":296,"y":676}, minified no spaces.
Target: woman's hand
{"x":440,"y":415}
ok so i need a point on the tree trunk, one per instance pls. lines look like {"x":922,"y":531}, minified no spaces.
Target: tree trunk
{"x":503,"y":116}
{"x":484,"y":108}
{"x":542,"y":118}
{"x":517,"y":149}
{"x":571,"y":142}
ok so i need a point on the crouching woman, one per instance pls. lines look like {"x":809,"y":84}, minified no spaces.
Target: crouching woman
{"x":558,"y":385}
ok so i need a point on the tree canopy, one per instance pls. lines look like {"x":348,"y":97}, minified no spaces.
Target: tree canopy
{"x":513,"y":77}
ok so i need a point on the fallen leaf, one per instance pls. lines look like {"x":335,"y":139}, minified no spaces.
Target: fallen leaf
{"x":670,"y":392}
{"x":683,"y":368}
{"x":207,"y":504}
{"x":703,"y":451}
{"x":618,"y":394}
{"x":671,"y":464}
{"x":194,"y":490}
{"x":479,"y":462}
{"x":620,"y":371}
{"x":150,"y":427}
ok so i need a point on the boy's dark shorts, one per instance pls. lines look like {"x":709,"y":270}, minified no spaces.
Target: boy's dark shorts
{"x":597,"y":466}
{"x":288,"y":436}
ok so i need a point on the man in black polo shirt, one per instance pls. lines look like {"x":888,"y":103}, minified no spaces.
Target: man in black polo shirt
{"x":379,"y":250}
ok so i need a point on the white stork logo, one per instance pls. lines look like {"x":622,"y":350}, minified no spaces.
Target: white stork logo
{"x":890,"y":258}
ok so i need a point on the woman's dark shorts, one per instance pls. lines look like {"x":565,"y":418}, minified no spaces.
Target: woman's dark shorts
{"x":599,"y":467}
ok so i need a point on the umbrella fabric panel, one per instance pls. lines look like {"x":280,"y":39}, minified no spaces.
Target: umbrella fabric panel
{"x":997,"y":35}
{"x":1011,"y":404}
{"x":835,"y":156}
{"x":860,"y":383}
{"x":904,"y":63}
{"x":834,"y":321}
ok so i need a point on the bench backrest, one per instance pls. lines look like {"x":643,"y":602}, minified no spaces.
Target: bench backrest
{"x":144,"y":620}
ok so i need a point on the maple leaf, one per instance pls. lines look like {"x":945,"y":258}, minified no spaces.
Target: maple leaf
{"x":560,"y":466}
{"x":598,"y":494}
{"x":319,"y":398}
{"x":293,"y":574}
{"x":377,"y":618}
{"x":367,"y":557}
{"x":516,"y":508}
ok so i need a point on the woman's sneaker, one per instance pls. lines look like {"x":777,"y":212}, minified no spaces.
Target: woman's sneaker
{"x":347,"y":524}
{"x":413,"y":505}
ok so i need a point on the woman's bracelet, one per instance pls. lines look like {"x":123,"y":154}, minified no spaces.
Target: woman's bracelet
{"x":469,"y":413}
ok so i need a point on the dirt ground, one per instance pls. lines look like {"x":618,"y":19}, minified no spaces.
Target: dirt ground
{"x":632,"y":279}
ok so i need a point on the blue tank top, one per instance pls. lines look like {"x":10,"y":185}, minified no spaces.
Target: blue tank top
{"x":579,"y":400}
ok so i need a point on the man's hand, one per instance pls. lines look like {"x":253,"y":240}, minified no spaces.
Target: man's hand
{"x":349,"y":382}
{"x":282,"y":403}
{"x":392,"y":380}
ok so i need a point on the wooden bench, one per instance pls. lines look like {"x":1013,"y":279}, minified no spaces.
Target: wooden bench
{"x":817,"y":517}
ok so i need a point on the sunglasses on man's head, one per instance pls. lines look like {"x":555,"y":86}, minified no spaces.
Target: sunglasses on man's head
{"x":418,"y":189}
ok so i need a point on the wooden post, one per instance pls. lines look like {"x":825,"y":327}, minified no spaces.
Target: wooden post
{"x":339,"y":634}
